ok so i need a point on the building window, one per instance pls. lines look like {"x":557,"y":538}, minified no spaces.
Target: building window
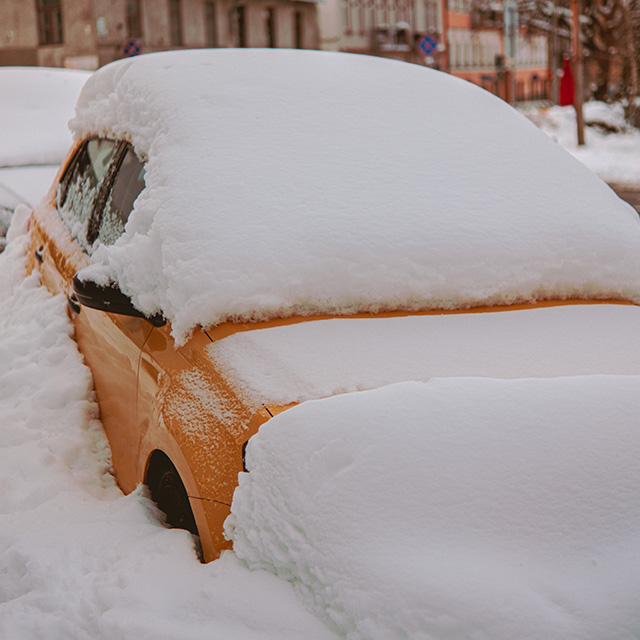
{"x":50,"y":21}
{"x":175,"y":22}
{"x":298,"y":30}
{"x":134,"y":23}
{"x":270,"y":25}
{"x":210,"y":25}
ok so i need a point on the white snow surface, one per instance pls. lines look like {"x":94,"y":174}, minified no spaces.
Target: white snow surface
{"x":35,"y":105}
{"x":460,"y":508}
{"x":25,"y":185}
{"x":288,"y":182}
{"x":317,"y":359}
{"x":615,"y":157}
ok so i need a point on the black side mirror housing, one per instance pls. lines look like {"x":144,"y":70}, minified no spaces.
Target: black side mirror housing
{"x":109,"y":298}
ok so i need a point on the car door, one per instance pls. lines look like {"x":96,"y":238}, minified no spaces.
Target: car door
{"x":93,"y":199}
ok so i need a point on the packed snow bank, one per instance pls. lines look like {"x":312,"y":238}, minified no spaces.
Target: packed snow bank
{"x":78,"y":560}
{"x":615,"y":157}
{"x":300,"y":362}
{"x":282,"y":182}
{"x":35,"y":105}
{"x":461,"y":508}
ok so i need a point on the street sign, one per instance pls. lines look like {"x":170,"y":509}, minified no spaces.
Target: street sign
{"x":427,"y":45}
{"x":131,"y":47}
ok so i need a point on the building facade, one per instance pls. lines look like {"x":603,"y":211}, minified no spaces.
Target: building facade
{"x":477,"y":40}
{"x":90,"y":33}
{"x":408,"y":30}
{"x":487,"y":47}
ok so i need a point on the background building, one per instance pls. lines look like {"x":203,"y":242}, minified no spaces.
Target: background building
{"x":478,"y":40}
{"x":89,"y":33}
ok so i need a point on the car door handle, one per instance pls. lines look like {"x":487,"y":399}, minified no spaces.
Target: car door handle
{"x":73,"y":304}
{"x":39,"y":253}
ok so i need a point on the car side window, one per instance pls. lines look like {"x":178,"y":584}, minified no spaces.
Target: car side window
{"x":127,"y":185}
{"x":80,"y":186}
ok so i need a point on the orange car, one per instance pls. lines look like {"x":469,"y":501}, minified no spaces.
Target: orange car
{"x":306,"y":237}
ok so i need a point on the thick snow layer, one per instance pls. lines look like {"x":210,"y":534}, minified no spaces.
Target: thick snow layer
{"x":283,"y":182}
{"x":78,"y":560}
{"x":615,"y":157}
{"x":26,"y":185}
{"x":461,"y":508}
{"x":35,"y":105}
{"x":317,"y":359}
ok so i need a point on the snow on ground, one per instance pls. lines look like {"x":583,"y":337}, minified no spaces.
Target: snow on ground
{"x":615,"y":157}
{"x":78,"y":560}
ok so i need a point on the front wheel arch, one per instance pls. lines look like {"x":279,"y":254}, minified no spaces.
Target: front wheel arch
{"x":169,"y":493}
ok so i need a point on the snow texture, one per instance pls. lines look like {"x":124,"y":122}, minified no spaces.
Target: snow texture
{"x":310,"y":360}
{"x":612,"y":148}
{"x":296,"y":182}
{"x":461,"y":508}
{"x":36,"y":104}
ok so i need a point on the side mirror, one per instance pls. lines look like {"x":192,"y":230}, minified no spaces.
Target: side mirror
{"x":109,"y":298}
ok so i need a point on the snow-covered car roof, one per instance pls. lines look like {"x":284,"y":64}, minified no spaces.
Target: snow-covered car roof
{"x":286,"y":182}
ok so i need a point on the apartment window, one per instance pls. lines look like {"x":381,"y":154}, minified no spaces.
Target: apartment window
{"x":210,"y":24}
{"x":134,"y":22}
{"x":175,"y":22}
{"x":50,"y":21}
{"x":270,"y":25}
{"x":298,"y":30}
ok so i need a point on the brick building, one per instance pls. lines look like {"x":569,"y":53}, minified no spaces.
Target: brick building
{"x":472,"y":39}
{"x":89,"y":33}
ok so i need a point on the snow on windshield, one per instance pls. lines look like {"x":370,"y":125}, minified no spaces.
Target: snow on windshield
{"x":297,"y":182}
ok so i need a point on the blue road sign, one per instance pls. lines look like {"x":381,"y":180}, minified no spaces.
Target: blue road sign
{"x":427,"y":45}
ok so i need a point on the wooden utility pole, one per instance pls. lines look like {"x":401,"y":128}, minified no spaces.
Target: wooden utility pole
{"x":578,"y":71}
